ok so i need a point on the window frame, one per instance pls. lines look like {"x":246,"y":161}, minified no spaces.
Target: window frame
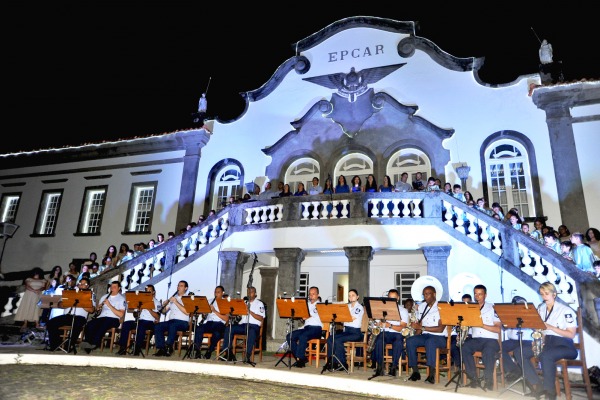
{"x":83,"y":225}
{"x":41,"y":217}
{"x":6,"y":205}
{"x":132,"y":209}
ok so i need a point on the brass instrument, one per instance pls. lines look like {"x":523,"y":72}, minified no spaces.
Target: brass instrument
{"x":374,"y":330}
{"x":462,"y":332}
{"x":409,"y":330}
{"x":538,"y":342}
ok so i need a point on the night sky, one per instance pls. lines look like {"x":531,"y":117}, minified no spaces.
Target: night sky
{"x":86,"y":72}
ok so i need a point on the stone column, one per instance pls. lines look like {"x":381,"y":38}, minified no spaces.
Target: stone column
{"x":359,"y":268}
{"x":437,"y":266}
{"x":193,"y":141}
{"x":232,"y":268}
{"x":290,"y":260}
{"x":268,"y":277}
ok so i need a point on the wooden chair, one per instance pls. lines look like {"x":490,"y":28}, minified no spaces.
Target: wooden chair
{"x":111,"y":337}
{"x":442,"y":358}
{"x":402,"y":363}
{"x":146,"y":339}
{"x":352,"y":347}
{"x":187,"y":335}
{"x":239,"y":345}
{"x":65,"y":331}
{"x":579,"y":363}
{"x":480,"y":366}
{"x":317,"y":348}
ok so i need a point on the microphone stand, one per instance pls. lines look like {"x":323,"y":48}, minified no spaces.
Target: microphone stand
{"x":69,"y":339}
{"x":458,"y":374}
{"x":191,"y":351}
{"x":228,"y":349}
{"x":137,"y":322}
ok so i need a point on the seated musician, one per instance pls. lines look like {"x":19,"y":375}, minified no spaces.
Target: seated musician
{"x":214,"y":323}
{"x":429,"y":333}
{"x":178,"y":320}
{"x":511,"y":370}
{"x":147,"y":319}
{"x":72,"y":316}
{"x":249,"y":325}
{"x":392,"y":334}
{"x":351,"y":333}
{"x":112,"y":308}
{"x":312,"y":328}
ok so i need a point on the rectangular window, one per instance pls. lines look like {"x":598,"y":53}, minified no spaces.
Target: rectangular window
{"x":10,"y":205}
{"x":141,"y":207}
{"x":48,"y":212}
{"x":304,"y":285}
{"x":404,"y":282}
{"x":90,"y":220}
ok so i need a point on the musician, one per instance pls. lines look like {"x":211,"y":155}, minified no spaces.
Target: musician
{"x":77,"y":316}
{"x":213,"y":323}
{"x":454,"y":349}
{"x":249,"y":325}
{"x":351,"y":333}
{"x":429,"y":333}
{"x":484,"y":339}
{"x":392,"y":334}
{"x":512,"y":371}
{"x":311,"y":330}
{"x":177,"y":320}
{"x":561,"y":328}
{"x":146,"y":320}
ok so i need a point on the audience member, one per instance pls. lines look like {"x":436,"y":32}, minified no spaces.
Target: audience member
{"x":28,"y":308}
{"x":497,"y":208}
{"x":387,"y":185}
{"x":457,"y":193}
{"x":418,"y":183}
{"x":328,"y":188}
{"x":356,"y":185}
{"x":592,"y":235}
{"x":402,"y":185}
{"x":564,"y":233}
{"x":315,"y":188}
{"x":566,"y":249}
{"x":551,"y":242}
{"x":123,"y":248}
{"x":342,"y":185}
{"x":583,"y":256}
{"x":301,"y":191}
{"x":448,"y":188}
{"x":371,"y":184}
{"x":431,"y":185}
{"x":537,"y":233}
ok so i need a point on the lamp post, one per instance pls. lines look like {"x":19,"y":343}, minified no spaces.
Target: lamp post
{"x":7,"y":230}
{"x":463,"y":174}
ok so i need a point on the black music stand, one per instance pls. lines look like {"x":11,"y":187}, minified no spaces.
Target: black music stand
{"x":49,"y":301}
{"x":236,"y":307}
{"x":383,"y":309}
{"x":292,"y":308}
{"x":194,"y":306}
{"x":334,"y":312}
{"x":137,"y":302}
{"x":459,"y":314}
{"x":519,"y":316}
{"x":74,"y":299}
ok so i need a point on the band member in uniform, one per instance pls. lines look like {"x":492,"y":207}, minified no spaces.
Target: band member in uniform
{"x":146,"y":320}
{"x":351,"y":333}
{"x":249,"y":324}
{"x":177,"y":320}
{"x":213,"y":323}
{"x":484,"y":339}
{"x":429,"y":333}
{"x":112,"y":308}
{"x":392,"y":334}
{"x":561,"y":328}
{"x":311,"y":330}
{"x":76,"y":316}
{"x":512,"y":371}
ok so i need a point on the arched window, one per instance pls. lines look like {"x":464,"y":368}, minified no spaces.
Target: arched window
{"x":410,"y":161}
{"x":509,"y":177}
{"x":227,"y":183}
{"x":302,"y":170}
{"x":353,"y":164}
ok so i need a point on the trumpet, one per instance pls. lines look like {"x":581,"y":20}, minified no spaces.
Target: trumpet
{"x":538,"y":342}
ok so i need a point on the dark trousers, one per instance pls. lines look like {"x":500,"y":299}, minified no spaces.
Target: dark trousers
{"x":489,"y":352}
{"x":555,"y":348}
{"x":129,"y":326}
{"x":63,"y":320}
{"x":171,"y":326}
{"x":395,"y":339}
{"x":299,"y":338}
{"x":97,"y":328}
{"x":253,"y":333}
{"x":430,"y":342}
{"x":216,"y":328}
{"x":507,"y":362}
{"x":348,"y":335}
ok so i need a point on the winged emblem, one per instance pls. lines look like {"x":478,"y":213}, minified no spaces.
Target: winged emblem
{"x":354,"y":83}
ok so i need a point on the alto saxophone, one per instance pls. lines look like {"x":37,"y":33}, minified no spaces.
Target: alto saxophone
{"x":374,"y":330}
{"x":409,"y":330}
{"x":538,"y":342}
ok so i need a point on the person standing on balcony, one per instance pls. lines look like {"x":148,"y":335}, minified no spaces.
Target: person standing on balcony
{"x":402,"y":185}
{"x":371,"y":184}
{"x":312,"y":328}
{"x":315,"y":188}
{"x":356,"y":184}
{"x":583,"y":256}
{"x":342,"y":185}
{"x":418,"y":183}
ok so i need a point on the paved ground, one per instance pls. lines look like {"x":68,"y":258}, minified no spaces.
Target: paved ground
{"x":30,"y":372}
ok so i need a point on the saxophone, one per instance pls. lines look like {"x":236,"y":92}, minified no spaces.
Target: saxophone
{"x":374,"y":330}
{"x":538,"y":342}
{"x":409,"y":330}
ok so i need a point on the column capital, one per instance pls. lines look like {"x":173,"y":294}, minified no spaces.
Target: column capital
{"x":268,"y":271}
{"x":290,"y":254}
{"x":436,"y":252}
{"x":233,"y":255}
{"x":359,"y":253}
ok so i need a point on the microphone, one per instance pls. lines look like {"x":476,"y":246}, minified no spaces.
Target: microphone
{"x":245,"y":299}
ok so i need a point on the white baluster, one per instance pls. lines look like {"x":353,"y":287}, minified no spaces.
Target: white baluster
{"x":334,"y":210}
{"x":448,"y":214}
{"x":497,"y":242}
{"x":385,"y":211}
{"x":215,"y":230}
{"x":257,"y":215}
{"x":344,"y":208}
{"x":406,"y":210}
{"x":202,"y":238}
{"x":272,"y":213}
{"x":279,"y":212}
{"x":249,"y":215}
{"x":459,"y":220}
{"x":396,"y":209}
{"x":485,"y":236}
{"x":305,"y":205}
{"x":417,"y":210}
{"x":225,"y":222}
{"x":324,"y":212}
{"x":193,"y":244}
{"x":315,"y":212}
{"x":472,"y":226}
{"x":375,"y":207}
